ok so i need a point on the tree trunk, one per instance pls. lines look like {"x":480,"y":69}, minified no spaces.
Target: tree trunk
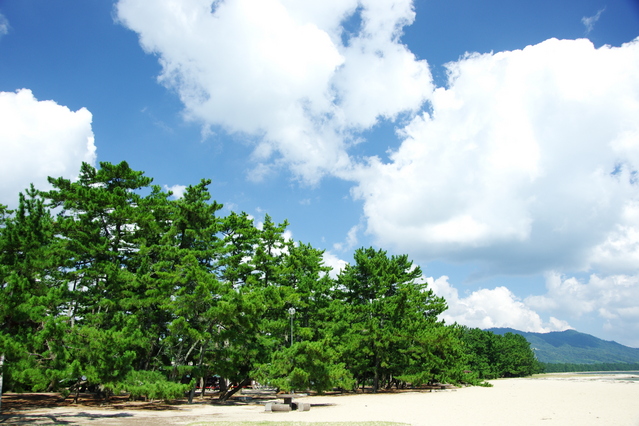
{"x":192,"y":393}
{"x":376,"y":376}
{"x":227,"y":395}
{"x":199,"y":371}
{"x":1,"y":378}
{"x":147,"y":359}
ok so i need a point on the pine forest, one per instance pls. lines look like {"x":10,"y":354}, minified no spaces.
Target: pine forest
{"x":108,"y":284}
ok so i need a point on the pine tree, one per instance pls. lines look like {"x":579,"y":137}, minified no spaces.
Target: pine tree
{"x":187,"y":263}
{"x":97,"y":227}
{"x":31,"y":299}
{"x":253,"y":265}
{"x":386,"y":304}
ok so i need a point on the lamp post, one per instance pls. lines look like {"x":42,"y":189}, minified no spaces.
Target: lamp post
{"x":291,"y":312}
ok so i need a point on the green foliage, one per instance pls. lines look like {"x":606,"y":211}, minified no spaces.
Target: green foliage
{"x":388,"y":310}
{"x":516,"y":359}
{"x":482,"y":351}
{"x":151,"y":385}
{"x":570,"y":368}
{"x":492,"y":355}
{"x":30,"y":297}
{"x":306,"y":365}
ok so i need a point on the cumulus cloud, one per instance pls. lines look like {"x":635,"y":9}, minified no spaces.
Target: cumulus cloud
{"x":487,"y":308}
{"x":619,"y":252}
{"x":613,"y":299}
{"x":40,"y":139}
{"x":334,"y":262}
{"x":177,"y":190}
{"x":527,"y":162}
{"x":285,"y":73}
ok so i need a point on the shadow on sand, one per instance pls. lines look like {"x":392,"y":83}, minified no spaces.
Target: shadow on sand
{"x":62,"y":418}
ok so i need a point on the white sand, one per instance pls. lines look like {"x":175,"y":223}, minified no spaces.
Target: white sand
{"x":548,"y":399}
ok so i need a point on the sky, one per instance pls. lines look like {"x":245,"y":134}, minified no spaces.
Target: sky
{"x":495,"y":142}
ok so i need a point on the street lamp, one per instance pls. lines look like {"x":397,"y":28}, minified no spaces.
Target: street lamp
{"x":291,"y":312}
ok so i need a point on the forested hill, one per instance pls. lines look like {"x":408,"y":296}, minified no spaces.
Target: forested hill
{"x":573,"y":347}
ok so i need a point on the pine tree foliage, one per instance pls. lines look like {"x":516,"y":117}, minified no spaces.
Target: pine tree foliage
{"x":493,"y":356}
{"x":111,"y":284}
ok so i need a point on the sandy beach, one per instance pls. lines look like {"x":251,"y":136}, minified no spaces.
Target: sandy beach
{"x":561,"y":399}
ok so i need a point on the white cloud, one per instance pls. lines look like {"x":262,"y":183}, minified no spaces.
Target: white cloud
{"x":380,"y":76}
{"x":285,"y":72}
{"x":619,"y":253}
{"x":527,"y":162}
{"x":334,"y":262}
{"x":486,"y":308}
{"x":229,"y":206}
{"x":177,"y":190}
{"x":4,"y":25}
{"x":40,"y":139}
{"x":612,"y":298}
{"x":589,"y":21}
{"x":351,"y":239}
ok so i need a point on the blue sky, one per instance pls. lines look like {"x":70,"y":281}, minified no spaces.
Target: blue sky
{"x":495,"y":142}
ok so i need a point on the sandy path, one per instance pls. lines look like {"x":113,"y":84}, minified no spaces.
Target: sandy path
{"x":552,"y":399}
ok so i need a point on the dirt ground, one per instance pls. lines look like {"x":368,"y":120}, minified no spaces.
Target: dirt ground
{"x":53,"y":409}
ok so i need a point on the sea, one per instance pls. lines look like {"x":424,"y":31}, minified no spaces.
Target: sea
{"x":632,"y":376}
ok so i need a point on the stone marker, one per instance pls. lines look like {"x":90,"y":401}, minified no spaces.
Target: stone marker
{"x":303,"y":406}
{"x":273,"y":406}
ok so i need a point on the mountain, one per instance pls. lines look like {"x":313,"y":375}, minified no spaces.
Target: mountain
{"x":573,"y":347}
